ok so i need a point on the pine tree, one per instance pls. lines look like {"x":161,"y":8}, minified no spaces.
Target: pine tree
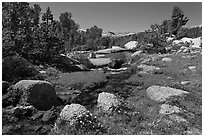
{"x":177,"y":20}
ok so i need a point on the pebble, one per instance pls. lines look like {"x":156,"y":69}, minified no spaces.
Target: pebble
{"x":166,"y":59}
{"x":192,"y":68}
{"x":185,"y":82}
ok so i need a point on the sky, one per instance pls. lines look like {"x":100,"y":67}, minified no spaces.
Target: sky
{"x":123,"y":16}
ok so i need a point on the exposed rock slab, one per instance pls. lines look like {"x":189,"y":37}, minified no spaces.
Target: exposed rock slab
{"x":160,"y":93}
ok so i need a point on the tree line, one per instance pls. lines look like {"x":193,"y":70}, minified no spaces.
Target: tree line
{"x":36,"y":36}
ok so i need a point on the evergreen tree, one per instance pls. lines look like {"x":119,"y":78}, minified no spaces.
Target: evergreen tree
{"x":177,"y":20}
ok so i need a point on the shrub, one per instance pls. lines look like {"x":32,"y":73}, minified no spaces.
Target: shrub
{"x":15,"y":68}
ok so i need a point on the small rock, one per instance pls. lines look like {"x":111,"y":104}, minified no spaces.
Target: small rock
{"x":23,"y":111}
{"x":193,"y":131}
{"x":42,"y":72}
{"x":49,"y":115}
{"x":116,"y":63}
{"x":41,"y":66}
{"x":182,"y":47}
{"x":107,"y":102}
{"x":145,"y":60}
{"x":139,"y":87}
{"x":38,"y":115}
{"x":185,"y":82}
{"x":166,"y":59}
{"x":170,"y":78}
{"x":184,"y":56}
{"x":177,"y":118}
{"x":179,"y":51}
{"x":147,"y":69}
{"x":192,"y":68}
{"x":160,"y":93}
{"x":186,"y":50}
{"x":168,"y":109}
{"x":37,"y":128}
{"x":137,"y":53}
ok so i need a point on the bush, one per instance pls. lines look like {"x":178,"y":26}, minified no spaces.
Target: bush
{"x":15,"y":68}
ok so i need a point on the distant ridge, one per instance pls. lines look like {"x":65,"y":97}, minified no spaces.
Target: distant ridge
{"x":121,"y":34}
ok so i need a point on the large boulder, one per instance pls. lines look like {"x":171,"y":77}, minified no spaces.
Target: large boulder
{"x":107,"y":102}
{"x":70,"y":113}
{"x":100,"y":62}
{"x":76,"y":117}
{"x":160,"y":93}
{"x":196,"y":42}
{"x":40,"y":94}
{"x":131,"y":45}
